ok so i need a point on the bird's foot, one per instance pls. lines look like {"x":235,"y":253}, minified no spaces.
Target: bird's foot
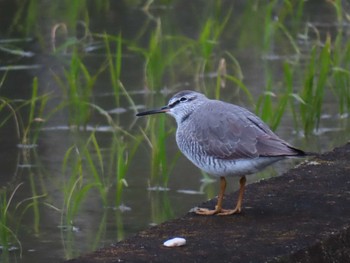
{"x":217,"y":211}
{"x":206,"y":211}
{"x":226,"y":212}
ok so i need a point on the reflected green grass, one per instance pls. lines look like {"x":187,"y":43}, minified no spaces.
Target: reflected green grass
{"x":8,"y":237}
{"x":93,"y":172}
{"x":313,"y":67}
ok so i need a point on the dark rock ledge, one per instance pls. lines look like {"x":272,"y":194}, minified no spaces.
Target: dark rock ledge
{"x":302,"y":216}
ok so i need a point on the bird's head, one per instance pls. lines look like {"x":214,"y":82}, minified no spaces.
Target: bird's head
{"x":180,"y":106}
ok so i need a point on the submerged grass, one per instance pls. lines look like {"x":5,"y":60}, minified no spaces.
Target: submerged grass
{"x":8,"y":237}
{"x":304,"y":84}
{"x":89,"y":176}
{"x":84,"y":175}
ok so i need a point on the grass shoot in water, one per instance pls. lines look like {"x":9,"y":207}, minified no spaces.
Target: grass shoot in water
{"x":154,"y":64}
{"x":114,"y":63}
{"x":77,"y":87}
{"x":97,"y":172}
{"x":122,"y":159}
{"x":159,"y":167}
{"x":27,"y":137}
{"x":314,"y":86}
{"x":208,"y":39}
{"x":341,"y":73}
{"x":8,"y":237}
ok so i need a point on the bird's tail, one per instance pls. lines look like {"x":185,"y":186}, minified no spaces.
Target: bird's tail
{"x":300,"y":153}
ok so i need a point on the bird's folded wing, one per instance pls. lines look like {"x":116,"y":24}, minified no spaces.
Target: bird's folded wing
{"x":238,"y":134}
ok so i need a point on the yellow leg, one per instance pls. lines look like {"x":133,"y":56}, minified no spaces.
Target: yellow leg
{"x":225,"y":212}
{"x":218,"y":208}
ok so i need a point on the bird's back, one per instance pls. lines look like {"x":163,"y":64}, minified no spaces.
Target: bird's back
{"x":223,"y":133}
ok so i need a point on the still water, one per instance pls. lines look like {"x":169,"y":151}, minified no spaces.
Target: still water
{"x":90,"y":174}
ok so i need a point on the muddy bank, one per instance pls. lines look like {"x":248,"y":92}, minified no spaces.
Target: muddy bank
{"x":302,"y":216}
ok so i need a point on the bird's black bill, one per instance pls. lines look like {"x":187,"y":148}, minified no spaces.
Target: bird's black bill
{"x":149,"y":112}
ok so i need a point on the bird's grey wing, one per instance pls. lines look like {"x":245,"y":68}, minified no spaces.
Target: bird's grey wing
{"x":235,"y":133}
{"x":268,"y":143}
{"x":225,"y":134}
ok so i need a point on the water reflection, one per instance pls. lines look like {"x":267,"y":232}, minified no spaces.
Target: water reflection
{"x":90,"y":173}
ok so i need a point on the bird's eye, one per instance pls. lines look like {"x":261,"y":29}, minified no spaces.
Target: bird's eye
{"x":183,"y":99}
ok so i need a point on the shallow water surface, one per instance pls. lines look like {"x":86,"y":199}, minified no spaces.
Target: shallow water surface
{"x":78,"y":170}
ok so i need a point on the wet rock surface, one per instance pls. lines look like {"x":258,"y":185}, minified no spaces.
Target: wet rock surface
{"x":301,"y":216}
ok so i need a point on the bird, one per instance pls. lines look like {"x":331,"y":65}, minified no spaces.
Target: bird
{"x":223,"y":140}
